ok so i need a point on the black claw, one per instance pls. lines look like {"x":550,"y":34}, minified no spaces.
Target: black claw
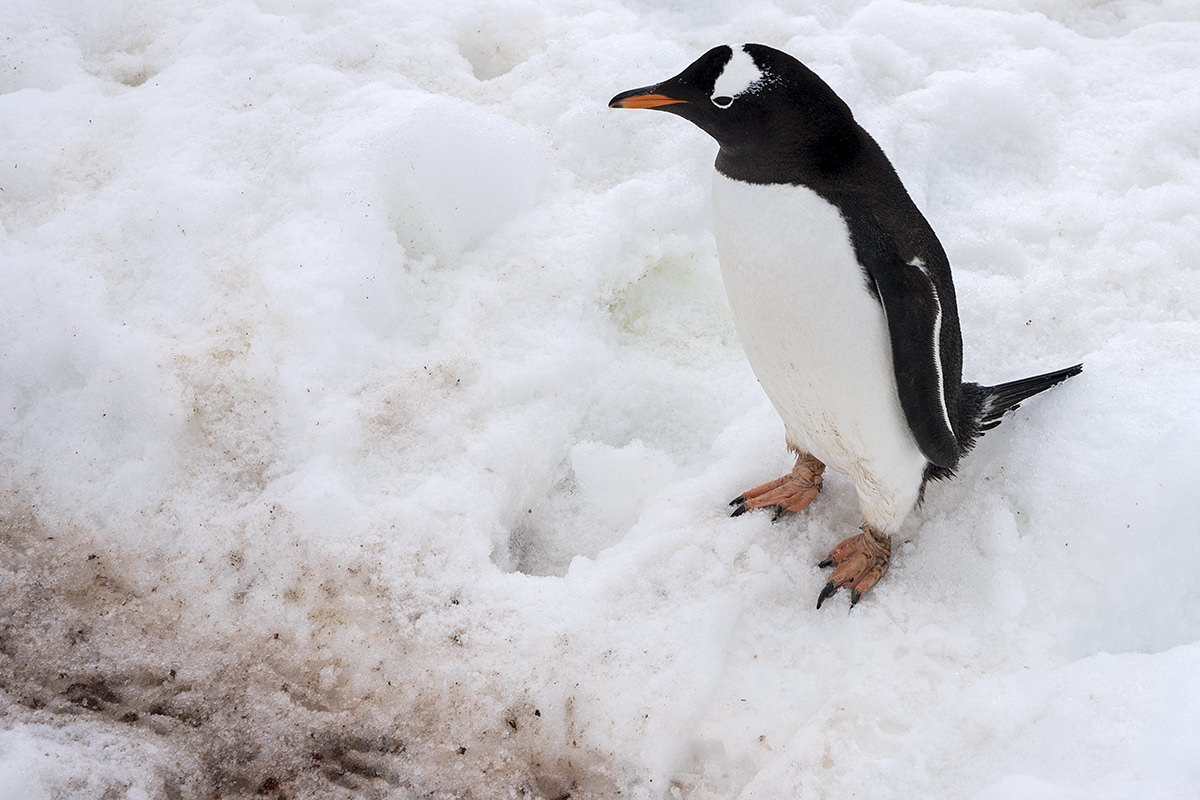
{"x":737,"y":512}
{"x":826,"y":563}
{"x":826,"y":593}
{"x":855,"y":596}
{"x":779,"y":512}
{"x":741,"y":498}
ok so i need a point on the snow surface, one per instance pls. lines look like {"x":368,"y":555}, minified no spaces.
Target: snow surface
{"x":369,"y":403}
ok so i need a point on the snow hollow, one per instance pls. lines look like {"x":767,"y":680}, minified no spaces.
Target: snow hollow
{"x":369,"y":404}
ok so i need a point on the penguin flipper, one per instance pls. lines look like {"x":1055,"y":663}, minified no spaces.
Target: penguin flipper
{"x":915,"y":318}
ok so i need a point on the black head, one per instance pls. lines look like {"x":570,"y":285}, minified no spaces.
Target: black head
{"x":760,"y":104}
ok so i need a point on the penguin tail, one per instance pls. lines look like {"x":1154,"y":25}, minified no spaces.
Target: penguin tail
{"x":984,"y":406}
{"x":996,"y":401}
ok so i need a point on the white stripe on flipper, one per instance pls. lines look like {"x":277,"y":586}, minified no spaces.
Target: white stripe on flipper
{"x":919,"y":263}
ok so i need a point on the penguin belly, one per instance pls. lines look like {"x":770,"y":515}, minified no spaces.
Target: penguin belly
{"x":816,"y":339}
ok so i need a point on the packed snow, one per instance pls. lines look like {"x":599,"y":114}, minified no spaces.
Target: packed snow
{"x":369,"y":405}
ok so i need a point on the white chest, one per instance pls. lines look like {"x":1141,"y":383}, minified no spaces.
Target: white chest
{"x":814,"y":335}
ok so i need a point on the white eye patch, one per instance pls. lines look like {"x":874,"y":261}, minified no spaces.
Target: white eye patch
{"x":739,"y":74}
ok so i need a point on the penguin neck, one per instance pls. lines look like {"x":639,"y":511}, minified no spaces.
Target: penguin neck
{"x":807,"y":158}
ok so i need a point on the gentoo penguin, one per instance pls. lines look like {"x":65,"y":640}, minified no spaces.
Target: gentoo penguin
{"x":841,"y":295}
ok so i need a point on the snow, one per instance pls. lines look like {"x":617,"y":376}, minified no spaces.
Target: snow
{"x":369,"y":402}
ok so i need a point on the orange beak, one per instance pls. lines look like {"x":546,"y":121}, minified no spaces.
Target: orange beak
{"x":642,"y":98}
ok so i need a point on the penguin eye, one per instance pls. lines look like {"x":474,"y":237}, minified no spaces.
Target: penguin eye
{"x":722,"y":101}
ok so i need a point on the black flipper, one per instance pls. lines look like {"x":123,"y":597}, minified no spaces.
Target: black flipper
{"x":920,"y":327}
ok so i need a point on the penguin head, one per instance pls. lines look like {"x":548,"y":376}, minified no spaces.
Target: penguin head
{"x":756,"y":101}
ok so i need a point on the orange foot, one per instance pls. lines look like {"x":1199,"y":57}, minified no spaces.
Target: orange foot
{"x":859,"y":562}
{"x":792,"y":492}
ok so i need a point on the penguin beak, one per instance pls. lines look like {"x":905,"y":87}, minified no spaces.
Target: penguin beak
{"x":646,"y":97}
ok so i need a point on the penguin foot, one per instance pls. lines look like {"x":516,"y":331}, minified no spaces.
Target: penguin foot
{"x":792,"y":492}
{"x":859,"y":562}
